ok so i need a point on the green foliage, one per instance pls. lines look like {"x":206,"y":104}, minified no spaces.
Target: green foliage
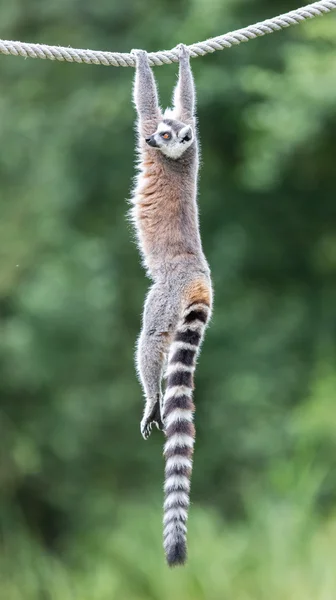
{"x":71,"y":295}
{"x":284,"y":553}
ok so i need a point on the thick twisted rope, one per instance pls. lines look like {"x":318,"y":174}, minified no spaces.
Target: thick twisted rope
{"x":163,"y":57}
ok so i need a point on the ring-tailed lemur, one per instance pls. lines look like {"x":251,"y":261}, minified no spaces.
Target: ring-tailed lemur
{"x":178,"y":306}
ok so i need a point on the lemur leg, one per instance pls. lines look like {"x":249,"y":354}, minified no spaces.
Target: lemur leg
{"x":158,"y":323}
{"x":150,"y":359}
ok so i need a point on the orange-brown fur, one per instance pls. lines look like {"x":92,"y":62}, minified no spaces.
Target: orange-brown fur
{"x":198,"y":292}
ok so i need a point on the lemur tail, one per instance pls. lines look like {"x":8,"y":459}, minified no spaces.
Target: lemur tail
{"x":178,"y":408}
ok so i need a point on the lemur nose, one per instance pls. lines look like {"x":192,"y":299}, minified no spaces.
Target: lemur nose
{"x":151,"y":141}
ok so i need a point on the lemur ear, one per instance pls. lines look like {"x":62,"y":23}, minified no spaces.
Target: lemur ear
{"x":185,"y":134}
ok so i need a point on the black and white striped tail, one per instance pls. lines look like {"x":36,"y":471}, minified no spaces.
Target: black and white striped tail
{"x":178,"y":408}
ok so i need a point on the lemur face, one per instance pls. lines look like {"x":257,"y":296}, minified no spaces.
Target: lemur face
{"x":172,"y":138}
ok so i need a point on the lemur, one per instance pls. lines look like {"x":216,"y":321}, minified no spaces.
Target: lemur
{"x":178,"y":305}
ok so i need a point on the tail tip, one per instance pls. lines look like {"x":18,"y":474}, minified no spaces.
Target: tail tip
{"x":176,"y":554}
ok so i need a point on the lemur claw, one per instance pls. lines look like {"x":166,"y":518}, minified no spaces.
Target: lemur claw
{"x":146,"y":430}
{"x":154,"y":418}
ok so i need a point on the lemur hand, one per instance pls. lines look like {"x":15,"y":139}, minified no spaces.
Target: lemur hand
{"x":184,"y":53}
{"x":140,"y":55}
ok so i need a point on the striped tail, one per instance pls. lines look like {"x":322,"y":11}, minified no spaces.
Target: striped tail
{"x":178,"y":408}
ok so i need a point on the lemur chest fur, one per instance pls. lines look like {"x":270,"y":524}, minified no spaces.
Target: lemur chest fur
{"x":165,"y":210}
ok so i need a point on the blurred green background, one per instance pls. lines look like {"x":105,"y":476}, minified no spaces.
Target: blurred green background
{"x":81,"y":492}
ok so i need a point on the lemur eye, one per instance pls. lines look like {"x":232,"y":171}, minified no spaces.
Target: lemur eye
{"x":166,"y":136}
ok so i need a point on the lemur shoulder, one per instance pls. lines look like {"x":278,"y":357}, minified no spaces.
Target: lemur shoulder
{"x":178,"y":305}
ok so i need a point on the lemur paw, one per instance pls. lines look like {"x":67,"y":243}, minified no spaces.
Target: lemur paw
{"x":146,"y":429}
{"x":138,"y":53}
{"x":183,"y":51}
{"x":153,"y":418}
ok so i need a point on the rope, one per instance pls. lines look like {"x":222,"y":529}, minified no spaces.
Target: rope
{"x":163,"y":57}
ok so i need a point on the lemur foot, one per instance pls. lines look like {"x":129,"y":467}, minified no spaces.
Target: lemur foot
{"x":151,"y":417}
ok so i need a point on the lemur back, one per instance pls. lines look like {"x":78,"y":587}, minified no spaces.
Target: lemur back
{"x":178,"y":306}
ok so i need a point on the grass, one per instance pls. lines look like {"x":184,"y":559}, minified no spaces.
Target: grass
{"x":282,"y":552}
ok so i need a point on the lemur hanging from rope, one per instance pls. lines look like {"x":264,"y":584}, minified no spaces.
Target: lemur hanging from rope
{"x":178,"y":305}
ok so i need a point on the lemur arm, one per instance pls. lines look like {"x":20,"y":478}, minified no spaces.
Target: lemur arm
{"x":145,"y":92}
{"x":184,"y":94}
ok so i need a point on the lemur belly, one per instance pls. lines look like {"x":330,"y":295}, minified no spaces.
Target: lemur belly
{"x":158,"y":212}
